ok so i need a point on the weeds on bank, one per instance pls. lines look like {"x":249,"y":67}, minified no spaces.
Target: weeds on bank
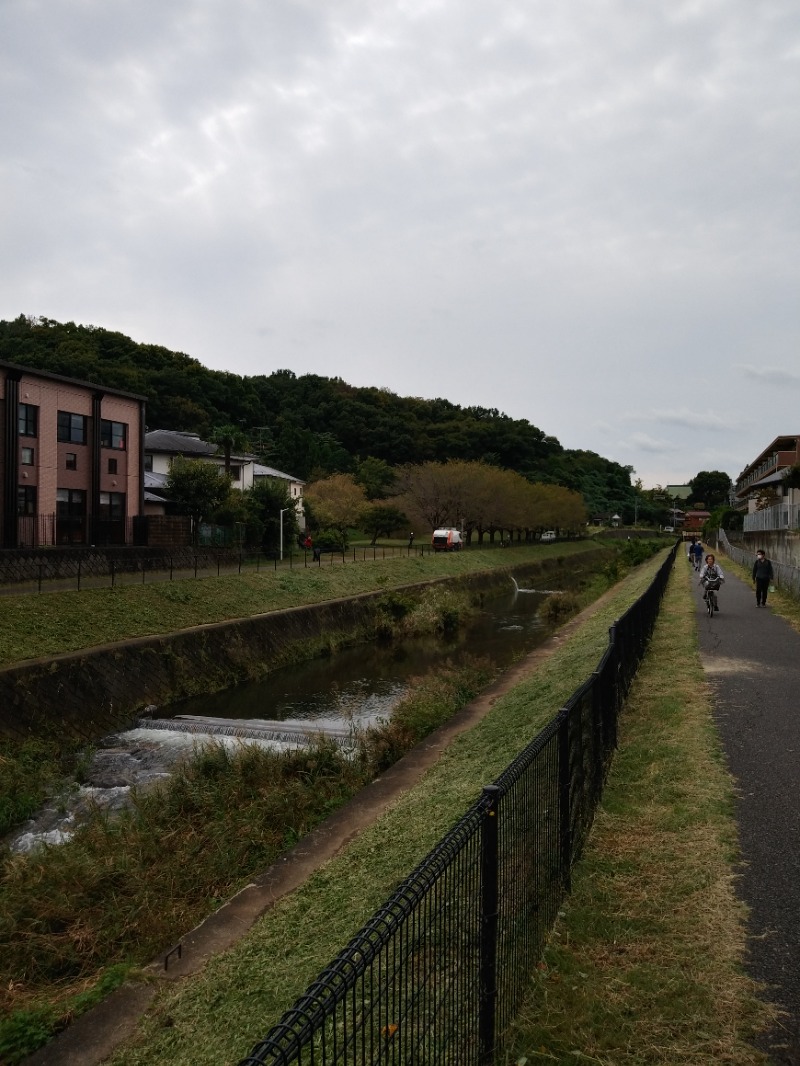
{"x":31,"y":770}
{"x":644,"y":966}
{"x":74,"y":916}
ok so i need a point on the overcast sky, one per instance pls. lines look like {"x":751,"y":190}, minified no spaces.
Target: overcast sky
{"x":585,"y":213}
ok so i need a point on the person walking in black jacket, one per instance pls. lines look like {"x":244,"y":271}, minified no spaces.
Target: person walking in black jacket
{"x":762,"y":575}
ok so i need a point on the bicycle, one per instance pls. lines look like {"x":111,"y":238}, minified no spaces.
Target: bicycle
{"x":712,"y":588}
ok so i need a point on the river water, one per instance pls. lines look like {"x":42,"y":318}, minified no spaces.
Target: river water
{"x":352,"y":689}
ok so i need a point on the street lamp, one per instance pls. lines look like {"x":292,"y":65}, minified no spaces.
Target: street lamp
{"x":283,"y":512}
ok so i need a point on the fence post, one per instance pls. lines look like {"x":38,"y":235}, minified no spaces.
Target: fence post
{"x":564,"y":776}
{"x":113,"y":574}
{"x":488,"y":935}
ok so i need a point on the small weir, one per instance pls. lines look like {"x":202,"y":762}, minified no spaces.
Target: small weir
{"x":293,"y":733}
{"x":336,"y":697}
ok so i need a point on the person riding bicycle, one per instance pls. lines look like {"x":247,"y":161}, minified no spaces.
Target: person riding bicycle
{"x":711,"y":576}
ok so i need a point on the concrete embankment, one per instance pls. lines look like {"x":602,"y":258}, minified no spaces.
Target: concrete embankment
{"x":108,"y":686}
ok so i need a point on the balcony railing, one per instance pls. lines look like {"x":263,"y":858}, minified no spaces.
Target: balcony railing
{"x":778,"y":516}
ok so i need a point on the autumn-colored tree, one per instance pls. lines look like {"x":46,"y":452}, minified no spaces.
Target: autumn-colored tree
{"x":336,"y":502}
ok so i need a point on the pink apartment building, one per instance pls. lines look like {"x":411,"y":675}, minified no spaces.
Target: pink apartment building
{"x":71,"y":460}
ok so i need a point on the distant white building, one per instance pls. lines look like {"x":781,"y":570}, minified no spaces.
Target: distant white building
{"x":161,"y":446}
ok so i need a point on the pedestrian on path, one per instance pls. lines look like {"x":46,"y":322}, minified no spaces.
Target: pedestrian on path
{"x":762,"y":575}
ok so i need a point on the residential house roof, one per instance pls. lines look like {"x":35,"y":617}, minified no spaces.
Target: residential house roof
{"x":174,"y":442}
{"x":268,"y":471}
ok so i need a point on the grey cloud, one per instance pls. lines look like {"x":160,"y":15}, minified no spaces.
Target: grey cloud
{"x":602,"y":197}
{"x":772,"y":375}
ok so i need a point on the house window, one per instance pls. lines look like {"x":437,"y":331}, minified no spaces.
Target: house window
{"x":112,"y":466}
{"x":148,"y":463}
{"x":27,"y":456}
{"x":236,"y":473}
{"x":72,"y":461}
{"x":26,"y":500}
{"x":113,"y":434}
{"x":71,"y":428}
{"x":28,"y":422}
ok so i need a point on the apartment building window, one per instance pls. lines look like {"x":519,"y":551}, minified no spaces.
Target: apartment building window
{"x":26,"y":456}
{"x":28,"y":423}
{"x":112,"y":466}
{"x":70,"y":516}
{"x":112,"y":506}
{"x":26,"y":500}
{"x":71,"y":428}
{"x":72,"y":461}
{"x":113,"y":434}
{"x":111,"y":529}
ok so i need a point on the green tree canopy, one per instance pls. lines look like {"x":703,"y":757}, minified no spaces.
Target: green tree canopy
{"x":265,"y":501}
{"x":711,"y":488}
{"x":197,"y":488}
{"x":381,"y":520}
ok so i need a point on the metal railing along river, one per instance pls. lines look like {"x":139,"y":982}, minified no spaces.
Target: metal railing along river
{"x":436,"y":975}
{"x":57,"y":569}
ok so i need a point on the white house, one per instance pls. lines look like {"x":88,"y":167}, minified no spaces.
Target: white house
{"x":161,"y":446}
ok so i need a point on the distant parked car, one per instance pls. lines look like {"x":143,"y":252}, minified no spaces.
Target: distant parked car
{"x":549,"y":535}
{"x":669,"y":529}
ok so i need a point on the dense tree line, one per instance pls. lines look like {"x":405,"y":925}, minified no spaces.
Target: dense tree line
{"x":308,"y":425}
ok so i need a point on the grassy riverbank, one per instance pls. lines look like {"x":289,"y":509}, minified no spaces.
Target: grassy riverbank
{"x":39,"y":626}
{"x":75,"y":923}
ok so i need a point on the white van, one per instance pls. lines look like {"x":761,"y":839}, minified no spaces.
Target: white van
{"x":549,"y":535}
{"x":446,"y":539}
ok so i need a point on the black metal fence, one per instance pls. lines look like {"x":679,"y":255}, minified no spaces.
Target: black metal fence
{"x":437,"y":974}
{"x":43,"y":569}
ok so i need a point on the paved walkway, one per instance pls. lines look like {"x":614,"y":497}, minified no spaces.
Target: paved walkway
{"x":752,"y":659}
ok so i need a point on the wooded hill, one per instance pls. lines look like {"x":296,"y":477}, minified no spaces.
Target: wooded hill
{"x":309,"y":425}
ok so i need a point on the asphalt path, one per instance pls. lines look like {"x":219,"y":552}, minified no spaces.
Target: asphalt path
{"x":752,"y":659}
